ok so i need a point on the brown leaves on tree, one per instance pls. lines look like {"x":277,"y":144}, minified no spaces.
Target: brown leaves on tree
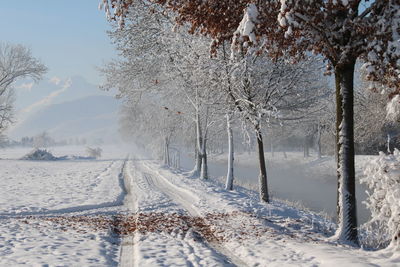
{"x":341,"y":33}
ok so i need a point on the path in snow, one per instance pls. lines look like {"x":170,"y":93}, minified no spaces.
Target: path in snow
{"x":184,"y":198}
{"x":156,"y":193}
{"x":151,"y":193}
{"x":258,"y":234}
{"x":127,"y":254}
{"x":197,"y":206}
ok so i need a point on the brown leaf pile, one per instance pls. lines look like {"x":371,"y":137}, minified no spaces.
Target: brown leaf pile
{"x":208,"y":227}
{"x":212,"y":227}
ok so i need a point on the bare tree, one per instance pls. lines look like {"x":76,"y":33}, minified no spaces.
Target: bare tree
{"x":264,"y":91}
{"x":16,"y":62}
{"x":42,"y":140}
{"x":6,"y":109}
{"x":165,"y":69}
{"x":94,"y":152}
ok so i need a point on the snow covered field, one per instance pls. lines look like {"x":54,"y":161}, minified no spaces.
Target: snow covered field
{"x":34,"y":192}
{"x":135,"y":213}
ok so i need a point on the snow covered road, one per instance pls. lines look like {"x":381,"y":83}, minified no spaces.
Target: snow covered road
{"x":151,"y":194}
{"x":187,"y":201}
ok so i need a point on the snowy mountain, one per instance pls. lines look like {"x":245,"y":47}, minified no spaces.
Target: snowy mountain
{"x":65,"y":109}
{"x":56,"y":90}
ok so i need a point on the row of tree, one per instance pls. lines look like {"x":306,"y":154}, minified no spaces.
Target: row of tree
{"x":240,"y":81}
{"x":170,"y":82}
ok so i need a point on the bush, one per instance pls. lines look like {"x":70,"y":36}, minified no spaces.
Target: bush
{"x":94,"y":152}
{"x":39,"y":154}
{"x":382,"y":176}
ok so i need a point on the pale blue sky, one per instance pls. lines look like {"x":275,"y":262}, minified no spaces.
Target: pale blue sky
{"x":69,"y":36}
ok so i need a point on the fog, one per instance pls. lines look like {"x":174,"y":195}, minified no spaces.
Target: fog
{"x":69,"y":110}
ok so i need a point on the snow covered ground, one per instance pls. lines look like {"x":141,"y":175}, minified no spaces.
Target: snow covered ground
{"x":135,"y":213}
{"x":37,"y":205}
{"x":238,"y":228}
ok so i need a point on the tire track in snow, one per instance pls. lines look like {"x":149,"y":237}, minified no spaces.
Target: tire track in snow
{"x":184,"y":199}
{"x":136,"y":185}
{"x":195,"y":252}
{"x":128,"y":247}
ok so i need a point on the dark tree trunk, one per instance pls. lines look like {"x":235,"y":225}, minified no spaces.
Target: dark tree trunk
{"x":347,"y":210}
{"x":196,"y":154}
{"x":263,"y":170}
{"x":204,"y":165}
{"x":167,"y":160}
{"x":197,"y":167}
{"x":306,"y":151}
{"x":319,"y":149}
{"x":339,"y":117}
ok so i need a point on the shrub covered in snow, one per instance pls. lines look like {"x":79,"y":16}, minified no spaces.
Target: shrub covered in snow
{"x":39,"y":154}
{"x":94,"y":152}
{"x":382,"y":176}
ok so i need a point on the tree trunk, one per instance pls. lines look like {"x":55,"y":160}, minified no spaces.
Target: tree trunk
{"x":306,"y":151}
{"x":196,"y":154}
{"x":319,"y":150}
{"x":347,"y":210}
{"x":339,"y":117}
{"x":166,"y":152}
{"x":204,"y":166}
{"x":388,"y":144}
{"x":272,"y":149}
{"x":197,"y":167}
{"x":229,"y":175}
{"x":263,"y":170}
{"x":178,"y":160}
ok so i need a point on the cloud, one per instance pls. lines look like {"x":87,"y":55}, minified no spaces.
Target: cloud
{"x":55,"y":80}
{"x":27,"y":86}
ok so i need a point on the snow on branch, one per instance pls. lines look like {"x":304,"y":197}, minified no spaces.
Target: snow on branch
{"x":382,"y":176}
{"x":246,"y":28}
